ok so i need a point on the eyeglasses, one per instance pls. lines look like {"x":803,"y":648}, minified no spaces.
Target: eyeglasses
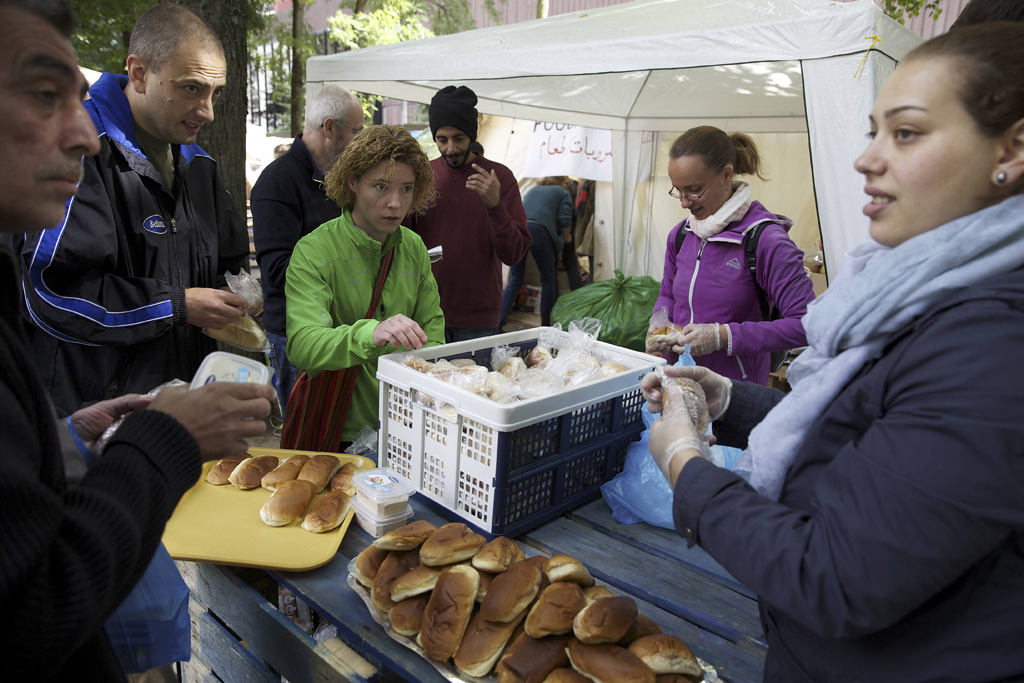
{"x":355,"y":131}
{"x":676,"y":194}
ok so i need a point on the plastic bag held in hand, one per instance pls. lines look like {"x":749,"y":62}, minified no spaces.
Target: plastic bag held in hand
{"x":702,"y":339}
{"x":246,"y":287}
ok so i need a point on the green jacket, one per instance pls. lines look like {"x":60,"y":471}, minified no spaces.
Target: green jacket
{"x":328,"y":288}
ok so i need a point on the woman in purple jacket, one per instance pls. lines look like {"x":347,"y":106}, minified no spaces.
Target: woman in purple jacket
{"x":707,"y":288}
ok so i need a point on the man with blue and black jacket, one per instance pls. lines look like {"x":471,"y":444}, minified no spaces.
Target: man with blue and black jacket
{"x":120,"y":290}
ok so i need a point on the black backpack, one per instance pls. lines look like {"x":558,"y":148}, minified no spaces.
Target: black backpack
{"x":768,"y":312}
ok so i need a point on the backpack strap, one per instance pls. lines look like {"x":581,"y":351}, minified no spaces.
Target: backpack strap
{"x":680,"y":236}
{"x":750,"y":252}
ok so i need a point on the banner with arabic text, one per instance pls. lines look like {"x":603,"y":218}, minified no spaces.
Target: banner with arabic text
{"x":565,"y":149}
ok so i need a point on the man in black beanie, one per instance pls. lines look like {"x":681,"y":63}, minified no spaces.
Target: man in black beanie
{"x":478,"y":219}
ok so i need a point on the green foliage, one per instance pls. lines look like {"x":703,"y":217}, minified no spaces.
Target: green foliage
{"x":104,"y":26}
{"x":902,"y":9}
{"x":392,"y":21}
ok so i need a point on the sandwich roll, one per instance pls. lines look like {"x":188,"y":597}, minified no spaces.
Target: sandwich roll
{"x":482,"y":644}
{"x":539,"y":561}
{"x":485,"y":584}
{"x":367,"y":564}
{"x":642,"y":626}
{"x":286,"y":471}
{"x":566,"y":674}
{"x":682,"y":393}
{"x":219,"y":473}
{"x":608,"y":663}
{"x":666,"y":654}
{"x":407,"y":615}
{"x":329,"y":512}
{"x":596,"y":592}
{"x":538,"y":356}
{"x":566,"y":568}
{"x":249,"y":473}
{"x":511,"y":592}
{"x":555,"y":609}
{"x":451,"y":543}
{"x":611,"y":368}
{"x":394,"y":565}
{"x":448,"y":611}
{"x":671,"y":334}
{"x":529,"y":660}
{"x":243,"y":332}
{"x":605,"y":621}
{"x":406,"y":537}
{"x":287,"y":503}
{"x":416,"y":581}
{"x":319,"y":469}
{"x":498,"y":555}
{"x":343,"y":478}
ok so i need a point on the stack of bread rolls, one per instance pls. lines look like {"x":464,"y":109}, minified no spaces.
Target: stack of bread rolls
{"x":487,"y":610}
{"x":294,"y":483}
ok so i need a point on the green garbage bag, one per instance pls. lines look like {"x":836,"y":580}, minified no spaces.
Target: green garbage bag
{"x":623,"y":305}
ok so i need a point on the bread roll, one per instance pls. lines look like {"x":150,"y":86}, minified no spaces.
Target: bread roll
{"x":482,"y":644}
{"x":605,"y":621}
{"x":248,"y":473}
{"x":608,"y":369}
{"x":463,"y":363}
{"x":407,"y":616}
{"x":416,"y":581}
{"x":642,"y":626}
{"x":512,"y":366}
{"x":511,"y":592}
{"x":406,"y":537}
{"x":485,"y":583}
{"x":671,"y":334}
{"x":448,"y":611}
{"x":451,"y":543}
{"x":219,"y":473}
{"x":367,"y":564}
{"x":343,"y":478}
{"x":287,"y":503}
{"x":538,"y":356}
{"x":555,"y":609}
{"x":286,"y":471}
{"x":565,"y":568}
{"x":329,"y":512}
{"x":682,"y":393}
{"x":319,"y":469}
{"x":498,"y":555}
{"x":418,"y":364}
{"x":529,"y":660}
{"x":394,"y":565}
{"x":566,"y":674}
{"x":539,"y":561}
{"x":666,"y":654}
{"x":608,"y":663}
{"x":243,"y":332}
{"x":597,"y":592}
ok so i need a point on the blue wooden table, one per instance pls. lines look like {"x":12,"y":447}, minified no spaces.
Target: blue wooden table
{"x":682,"y":589}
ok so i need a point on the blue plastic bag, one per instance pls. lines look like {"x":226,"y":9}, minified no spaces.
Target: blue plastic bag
{"x":151,"y":627}
{"x":640,"y":493}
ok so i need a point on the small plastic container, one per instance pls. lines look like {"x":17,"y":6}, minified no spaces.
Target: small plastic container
{"x":383,"y":492}
{"x":378,"y":526}
{"x":221,"y":366}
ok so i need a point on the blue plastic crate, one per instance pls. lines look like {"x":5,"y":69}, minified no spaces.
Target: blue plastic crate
{"x":506,"y":468}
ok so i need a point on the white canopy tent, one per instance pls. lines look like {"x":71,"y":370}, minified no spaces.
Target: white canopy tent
{"x":653,"y":66}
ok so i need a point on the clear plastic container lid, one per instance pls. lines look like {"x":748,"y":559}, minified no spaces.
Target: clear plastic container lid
{"x":221,"y":366}
{"x":382,"y":486}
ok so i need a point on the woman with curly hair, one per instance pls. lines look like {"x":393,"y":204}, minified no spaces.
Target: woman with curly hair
{"x":382,"y":176}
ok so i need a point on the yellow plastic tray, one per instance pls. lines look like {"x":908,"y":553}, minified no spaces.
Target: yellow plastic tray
{"x":222,"y":525}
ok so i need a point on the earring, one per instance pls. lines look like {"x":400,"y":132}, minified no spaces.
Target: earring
{"x":1001,"y":178}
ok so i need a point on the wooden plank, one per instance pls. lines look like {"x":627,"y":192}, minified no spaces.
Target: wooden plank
{"x":334,"y":647}
{"x":271,"y":635}
{"x":326,"y":590}
{"x":655,"y":540}
{"x":663,"y":582}
{"x":219,"y":652}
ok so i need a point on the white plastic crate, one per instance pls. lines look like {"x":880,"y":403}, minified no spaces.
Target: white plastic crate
{"x":506,"y":468}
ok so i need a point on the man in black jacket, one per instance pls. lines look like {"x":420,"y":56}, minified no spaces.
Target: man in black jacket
{"x":70,"y":554}
{"x":288,"y":203}
{"x":121,"y":289}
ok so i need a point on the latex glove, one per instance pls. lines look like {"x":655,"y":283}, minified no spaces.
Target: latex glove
{"x":703,"y":339}
{"x":90,"y":422}
{"x":674,"y":442}
{"x":717,"y":389}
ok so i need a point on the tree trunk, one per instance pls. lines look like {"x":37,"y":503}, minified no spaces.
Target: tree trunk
{"x":224,"y":139}
{"x":542,"y":9}
{"x":298,"y":68}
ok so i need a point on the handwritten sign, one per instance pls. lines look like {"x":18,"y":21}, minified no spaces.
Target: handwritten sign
{"x":565,"y":149}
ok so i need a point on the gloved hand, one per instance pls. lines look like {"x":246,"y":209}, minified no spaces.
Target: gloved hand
{"x":674,"y":441}
{"x":703,"y":339}
{"x":717,"y":389}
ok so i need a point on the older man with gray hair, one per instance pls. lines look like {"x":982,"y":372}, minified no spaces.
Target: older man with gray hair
{"x":288,"y":202}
